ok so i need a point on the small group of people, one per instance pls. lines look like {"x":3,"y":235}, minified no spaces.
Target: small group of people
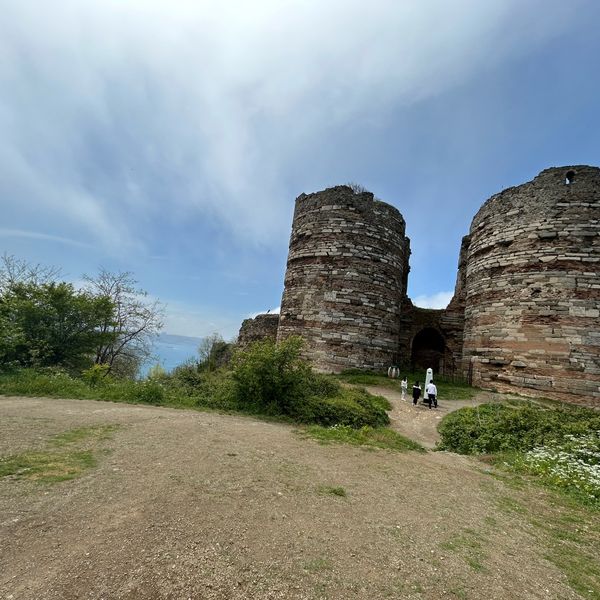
{"x":430,"y":390}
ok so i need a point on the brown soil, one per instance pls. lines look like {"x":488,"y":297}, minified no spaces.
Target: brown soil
{"x":203,"y":506}
{"x":420,"y":422}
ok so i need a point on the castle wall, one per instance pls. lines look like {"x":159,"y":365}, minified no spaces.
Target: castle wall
{"x":448,"y":324}
{"x":261,"y":327}
{"x":532,"y":288}
{"x":346,"y":276}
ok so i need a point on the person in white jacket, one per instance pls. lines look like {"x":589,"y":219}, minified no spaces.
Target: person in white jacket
{"x":431,"y":392}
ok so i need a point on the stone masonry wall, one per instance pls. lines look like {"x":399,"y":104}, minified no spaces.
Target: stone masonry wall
{"x":261,"y":327}
{"x":449,"y":326}
{"x":532,"y":288}
{"x":346,"y":276}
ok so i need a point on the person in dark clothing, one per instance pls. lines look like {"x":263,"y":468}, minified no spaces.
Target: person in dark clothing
{"x":416,"y":393}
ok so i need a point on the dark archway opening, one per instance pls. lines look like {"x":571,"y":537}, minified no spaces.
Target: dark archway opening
{"x":569,"y":177}
{"x":428,"y":350}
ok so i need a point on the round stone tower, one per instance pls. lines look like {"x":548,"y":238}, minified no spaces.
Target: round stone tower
{"x":532,"y":287}
{"x":346,"y":277}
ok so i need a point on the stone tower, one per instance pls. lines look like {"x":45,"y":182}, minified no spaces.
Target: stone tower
{"x":531,"y":287}
{"x":346,"y":277}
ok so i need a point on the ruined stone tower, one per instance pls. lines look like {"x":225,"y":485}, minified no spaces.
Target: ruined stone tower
{"x":346,"y":276}
{"x":531,"y":287}
{"x":525,"y":315}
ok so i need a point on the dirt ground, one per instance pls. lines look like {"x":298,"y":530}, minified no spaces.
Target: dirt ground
{"x":190,"y":505}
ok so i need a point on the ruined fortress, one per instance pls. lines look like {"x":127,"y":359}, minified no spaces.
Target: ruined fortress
{"x":525,"y":315}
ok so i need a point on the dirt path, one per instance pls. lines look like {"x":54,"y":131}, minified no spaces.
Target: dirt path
{"x":419,"y":422}
{"x":206,"y":506}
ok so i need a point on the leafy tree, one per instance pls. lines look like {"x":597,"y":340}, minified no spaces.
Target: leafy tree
{"x":131,"y":329}
{"x":214,"y":352}
{"x":51,"y":324}
{"x":14,"y":271}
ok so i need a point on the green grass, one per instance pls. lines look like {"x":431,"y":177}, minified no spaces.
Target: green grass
{"x":98,"y":432}
{"x":333,"y":491}
{"x":66,"y":456}
{"x":567,"y":534}
{"x":316,"y":565}
{"x":208,"y":391}
{"x":47,"y":467}
{"x":447,"y":389}
{"x":379,"y":437}
{"x":467,"y":544}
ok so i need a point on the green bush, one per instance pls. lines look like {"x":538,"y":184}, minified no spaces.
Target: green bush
{"x":353,"y":407}
{"x":95,"y":375}
{"x":494,"y":428}
{"x":272,"y":378}
{"x":148,"y":392}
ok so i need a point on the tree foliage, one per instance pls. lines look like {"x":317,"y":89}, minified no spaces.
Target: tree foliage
{"x":214,"y":352}
{"x":44,"y":322}
{"x":48,"y":324}
{"x":133,"y":326}
{"x":14,"y":271}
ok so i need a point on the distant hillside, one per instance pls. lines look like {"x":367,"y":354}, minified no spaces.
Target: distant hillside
{"x":172,"y":350}
{"x":171,"y":338}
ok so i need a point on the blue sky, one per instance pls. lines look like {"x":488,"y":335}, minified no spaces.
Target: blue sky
{"x":170,"y":138}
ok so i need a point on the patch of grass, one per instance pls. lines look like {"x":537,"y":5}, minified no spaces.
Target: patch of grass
{"x":468,"y":544}
{"x":47,"y":467}
{"x":333,"y":490}
{"x":509,"y":505}
{"x":459,"y":593}
{"x":316,"y":565}
{"x":68,"y":455}
{"x":97,"y":432}
{"x":378,"y":437}
{"x":447,"y":389}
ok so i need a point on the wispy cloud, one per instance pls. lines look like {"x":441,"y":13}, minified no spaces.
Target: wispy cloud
{"x":35,"y":235}
{"x":199,"y":321}
{"x":437,"y":300}
{"x":118,"y":115}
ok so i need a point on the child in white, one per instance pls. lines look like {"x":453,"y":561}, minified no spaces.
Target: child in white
{"x":404,"y":387}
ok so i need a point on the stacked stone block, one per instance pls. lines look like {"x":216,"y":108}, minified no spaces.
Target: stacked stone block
{"x":346,"y":277}
{"x":261,"y":327}
{"x":532,"y":288}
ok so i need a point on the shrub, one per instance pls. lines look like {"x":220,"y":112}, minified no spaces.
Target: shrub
{"x":572,"y":465}
{"x":149,"y":392}
{"x":95,"y":375}
{"x":271,"y":377}
{"x":493,"y":428}
{"x":352,"y":407}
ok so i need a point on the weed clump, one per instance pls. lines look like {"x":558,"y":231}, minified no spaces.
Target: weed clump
{"x":559,"y":445}
{"x":493,"y":428}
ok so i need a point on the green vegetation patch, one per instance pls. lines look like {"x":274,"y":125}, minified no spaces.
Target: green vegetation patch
{"x":316,"y":565}
{"x":567,"y":534}
{"x":47,"y":467}
{"x":68,"y":455}
{"x":94,"y":432}
{"x":448,"y":389}
{"x":494,"y":428}
{"x":333,"y":490}
{"x":377,"y":437}
{"x":559,"y":445}
{"x":469,"y":545}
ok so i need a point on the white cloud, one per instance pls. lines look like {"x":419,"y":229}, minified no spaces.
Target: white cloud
{"x":199,"y":321}
{"x":35,"y":235}
{"x":116,"y":113}
{"x":437,"y":300}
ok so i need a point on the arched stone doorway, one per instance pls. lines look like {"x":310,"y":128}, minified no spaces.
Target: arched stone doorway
{"x":428,"y":350}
